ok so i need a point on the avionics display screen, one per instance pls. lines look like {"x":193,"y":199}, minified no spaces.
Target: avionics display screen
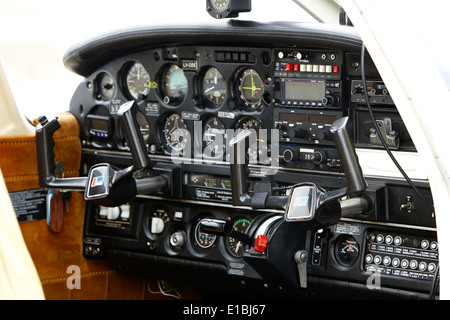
{"x":99,"y":124}
{"x":303,"y":117}
{"x":304,"y":90}
{"x":293,"y":117}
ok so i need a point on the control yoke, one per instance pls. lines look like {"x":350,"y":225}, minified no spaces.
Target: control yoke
{"x":306,"y":202}
{"x":105,"y":184}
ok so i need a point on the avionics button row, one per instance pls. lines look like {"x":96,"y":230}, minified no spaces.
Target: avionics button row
{"x":405,"y":241}
{"x":413,"y":252}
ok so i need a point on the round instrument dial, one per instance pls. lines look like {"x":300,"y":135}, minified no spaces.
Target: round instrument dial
{"x":106,"y":86}
{"x":247,"y":123}
{"x":250,"y":89}
{"x":137,"y":81}
{"x":214,"y":87}
{"x":347,"y":251}
{"x":219,"y":5}
{"x":214,"y":137}
{"x":174,"y":133}
{"x":204,"y":240}
{"x":174,"y":85}
{"x":252,"y":124}
{"x":236,"y":247}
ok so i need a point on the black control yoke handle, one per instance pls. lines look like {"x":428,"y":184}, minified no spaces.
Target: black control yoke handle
{"x":349,"y":161}
{"x":127,"y":115}
{"x":112,"y":182}
{"x":46,"y":158}
{"x":224,"y":228}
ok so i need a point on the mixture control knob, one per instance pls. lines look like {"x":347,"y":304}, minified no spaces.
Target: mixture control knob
{"x":178,"y":239}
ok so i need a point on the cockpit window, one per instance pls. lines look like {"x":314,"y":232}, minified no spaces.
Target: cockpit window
{"x":39,"y":33}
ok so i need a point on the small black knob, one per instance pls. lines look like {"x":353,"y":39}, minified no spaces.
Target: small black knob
{"x":332,"y":100}
{"x":319,"y":157}
{"x":288,"y":155}
{"x":297,"y":133}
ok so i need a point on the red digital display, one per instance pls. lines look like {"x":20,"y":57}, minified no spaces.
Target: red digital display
{"x":293,"y":117}
{"x":311,"y":118}
{"x":319,"y":118}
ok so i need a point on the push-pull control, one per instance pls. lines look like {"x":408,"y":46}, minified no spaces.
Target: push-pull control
{"x":106,"y":184}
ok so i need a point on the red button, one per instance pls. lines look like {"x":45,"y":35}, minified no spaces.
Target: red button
{"x":260,"y":243}
{"x":288,"y":67}
{"x":296,"y":67}
{"x":335,"y":69}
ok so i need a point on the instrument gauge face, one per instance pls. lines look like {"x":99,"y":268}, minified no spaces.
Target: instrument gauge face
{"x":214,"y":137}
{"x":204,"y":240}
{"x":174,"y":85}
{"x":236,"y":247}
{"x":106,"y":86}
{"x":137,"y":81}
{"x":252,"y":124}
{"x":174,"y":132}
{"x":219,"y":5}
{"x":247,"y":123}
{"x":347,"y":251}
{"x":250,"y":89}
{"x":214,"y":87}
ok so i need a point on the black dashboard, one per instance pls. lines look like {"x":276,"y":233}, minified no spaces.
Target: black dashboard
{"x":196,"y":86}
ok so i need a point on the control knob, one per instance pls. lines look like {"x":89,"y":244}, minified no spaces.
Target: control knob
{"x":319,"y":157}
{"x":288,"y":155}
{"x":331,"y":100}
{"x":178,"y":239}
{"x":323,"y":135}
{"x":297,"y":133}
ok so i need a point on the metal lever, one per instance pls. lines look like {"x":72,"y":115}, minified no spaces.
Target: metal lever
{"x":301,"y":257}
{"x":224,"y":228}
{"x":388,"y":135}
{"x":239,"y":173}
